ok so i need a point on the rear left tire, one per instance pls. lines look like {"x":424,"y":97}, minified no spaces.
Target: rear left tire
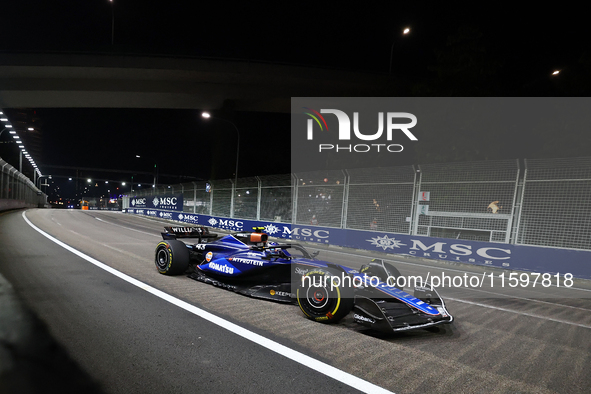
{"x":171,"y":257}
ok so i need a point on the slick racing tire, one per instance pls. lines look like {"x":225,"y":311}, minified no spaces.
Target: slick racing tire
{"x":172,"y":257}
{"x":322,"y":302}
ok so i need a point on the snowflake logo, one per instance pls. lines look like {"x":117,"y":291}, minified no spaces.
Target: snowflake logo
{"x":155,"y":201}
{"x":385,"y":242}
{"x":271,"y":229}
{"x":181,"y":216}
{"x":212,"y":221}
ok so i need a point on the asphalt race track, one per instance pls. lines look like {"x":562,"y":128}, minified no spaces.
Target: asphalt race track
{"x":125,"y":339}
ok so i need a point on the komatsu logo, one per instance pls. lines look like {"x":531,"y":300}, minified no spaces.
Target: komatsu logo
{"x":221,"y":268}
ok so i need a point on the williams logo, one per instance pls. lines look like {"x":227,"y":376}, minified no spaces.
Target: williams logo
{"x":394,"y":122}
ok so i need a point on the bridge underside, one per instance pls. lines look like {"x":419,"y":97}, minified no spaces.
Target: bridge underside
{"x":107,"y":81}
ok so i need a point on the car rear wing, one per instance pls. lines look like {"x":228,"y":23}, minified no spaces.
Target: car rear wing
{"x":174,"y":232}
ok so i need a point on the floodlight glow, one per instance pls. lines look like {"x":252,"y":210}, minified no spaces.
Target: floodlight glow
{"x":206,"y":115}
{"x":406,"y":31}
{"x":88,"y":180}
{"x":30,"y":129}
{"x":8,"y":126}
{"x":16,"y":137}
{"x":3,"y":119}
{"x":12,"y":132}
{"x":556,"y":72}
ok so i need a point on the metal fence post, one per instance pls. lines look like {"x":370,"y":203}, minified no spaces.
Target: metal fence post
{"x":415,"y":224}
{"x":259,"y":191}
{"x":345,"y":199}
{"x":194,"y":197}
{"x":211,"y":198}
{"x":510,"y":221}
{"x":521,"y":202}
{"x":232,"y":198}
{"x":294,"y":202}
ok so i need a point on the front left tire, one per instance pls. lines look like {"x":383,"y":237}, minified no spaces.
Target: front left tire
{"x":321,"y":300}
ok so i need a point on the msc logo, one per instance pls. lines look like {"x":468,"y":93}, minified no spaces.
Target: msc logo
{"x":344,"y":133}
{"x":138,"y":201}
{"x":164,"y":201}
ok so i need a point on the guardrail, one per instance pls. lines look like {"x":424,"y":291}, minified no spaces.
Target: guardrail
{"x":17,"y":191}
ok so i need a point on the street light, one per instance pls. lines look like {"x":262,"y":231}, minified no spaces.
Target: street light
{"x":404,"y":33}
{"x":112,"y":22}
{"x":207,"y":115}
{"x":155,"y":171}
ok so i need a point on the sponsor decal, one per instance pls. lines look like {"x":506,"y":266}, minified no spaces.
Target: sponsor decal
{"x":139,"y":202}
{"x":200,"y":247}
{"x":306,"y":234}
{"x":385,"y":242}
{"x":208,"y":256}
{"x":271,"y":229}
{"x":363,"y":318}
{"x":166,"y":215}
{"x":191,"y":218}
{"x":151,"y":213}
{"x":301,"y":271}
{"x":246,"y":261}
{"x":280,"y":293}
{"x":444,"y":250}
{"x":232,"y":224}
{"x":155,"y":202}
{"x":221,"y":268}
{"x":183,"y":229}
{"x":212,"y":221}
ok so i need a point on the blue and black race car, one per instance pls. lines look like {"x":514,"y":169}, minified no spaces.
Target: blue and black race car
{"x":248,"y":263}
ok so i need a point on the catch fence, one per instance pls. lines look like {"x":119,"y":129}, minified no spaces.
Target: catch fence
{"x":543,"y":202}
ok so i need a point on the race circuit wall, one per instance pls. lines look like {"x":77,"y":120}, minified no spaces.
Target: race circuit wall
{"x":508,"y":256}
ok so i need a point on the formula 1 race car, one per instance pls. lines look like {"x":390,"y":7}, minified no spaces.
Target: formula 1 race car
{"x":248,"y":263}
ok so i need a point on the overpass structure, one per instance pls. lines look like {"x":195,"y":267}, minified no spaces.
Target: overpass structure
{"x":73,"y":80}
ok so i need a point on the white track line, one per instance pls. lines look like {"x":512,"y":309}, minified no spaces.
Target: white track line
{"x":307,"y":361}
{"x":519,"y":313}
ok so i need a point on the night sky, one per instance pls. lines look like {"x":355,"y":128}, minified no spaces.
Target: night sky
{"x":452,"y":50}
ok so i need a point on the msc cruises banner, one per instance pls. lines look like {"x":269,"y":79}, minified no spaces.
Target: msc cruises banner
{"x":170,"y":202}
{"x":508,"y":256}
